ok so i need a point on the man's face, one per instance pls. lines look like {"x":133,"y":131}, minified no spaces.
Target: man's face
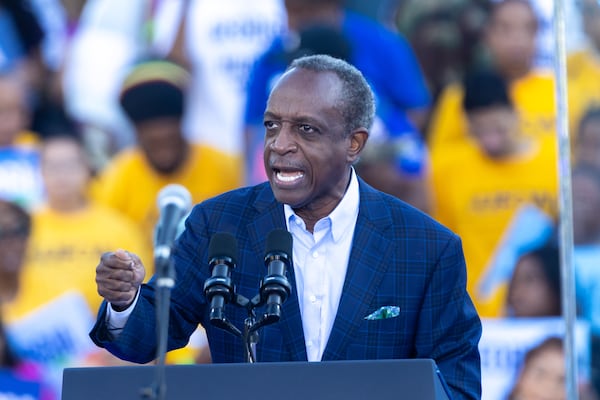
{"x":162,"y":142}
{"x":511,"y":37}
{"x":495,"y":129}
{"x":587,"y":145}
{"x":308,"y":151}
{"x":586,"y":200}
{"x":65,"y":171}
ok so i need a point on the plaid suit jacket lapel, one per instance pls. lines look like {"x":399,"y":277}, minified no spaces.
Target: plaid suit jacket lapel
{"x":270,"y":216}
{"x":369,"y":260}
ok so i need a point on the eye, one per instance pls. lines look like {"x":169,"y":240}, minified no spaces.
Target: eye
{"x":305,"y":129}
{"x":270,"y":125}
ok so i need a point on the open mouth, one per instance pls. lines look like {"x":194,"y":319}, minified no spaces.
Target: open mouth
{"x":288,"y":176}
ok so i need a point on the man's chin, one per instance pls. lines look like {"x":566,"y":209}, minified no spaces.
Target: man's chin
{"x":497,"y":155}
{"x":165,"y":169}
{"x":285,"y":196}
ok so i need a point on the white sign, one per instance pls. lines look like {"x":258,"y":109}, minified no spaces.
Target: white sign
{"x":505,"y":342}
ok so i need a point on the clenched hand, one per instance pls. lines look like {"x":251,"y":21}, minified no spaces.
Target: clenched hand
{"x":118,"y":277}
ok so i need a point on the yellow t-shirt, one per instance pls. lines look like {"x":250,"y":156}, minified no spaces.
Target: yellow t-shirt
{"x":63,"y":252}
{"x":583,"y":86}
{"x":533,"y":97}
{"x":477,"y":197}
{"x":131,"y":186}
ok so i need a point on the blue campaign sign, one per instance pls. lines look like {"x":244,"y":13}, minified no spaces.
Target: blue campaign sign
{"x":13,"y":388}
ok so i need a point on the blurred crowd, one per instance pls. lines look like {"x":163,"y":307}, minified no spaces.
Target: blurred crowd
{"x":104,"y":102}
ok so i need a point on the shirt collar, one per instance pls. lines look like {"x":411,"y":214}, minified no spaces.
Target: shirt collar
{"x":343,"y":217}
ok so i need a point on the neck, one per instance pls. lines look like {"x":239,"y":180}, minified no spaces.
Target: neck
{"x":68,"y":205}
{"x":512,"y":150}
{"x":521,"y":147}
{"x":311,"y":214}
{"x":181,"y":161}
{"x":309,"y":219}
{"x":515,"y":73}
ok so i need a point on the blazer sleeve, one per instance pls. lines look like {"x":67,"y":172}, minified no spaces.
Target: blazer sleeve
{"x":449,"y":328}
{"x":137,"y":342}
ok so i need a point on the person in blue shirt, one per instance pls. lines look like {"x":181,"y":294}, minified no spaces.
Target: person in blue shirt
{"x":390,"y":67}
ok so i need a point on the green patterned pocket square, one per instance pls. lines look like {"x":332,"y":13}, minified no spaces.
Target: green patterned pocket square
{"x":384,"y":312}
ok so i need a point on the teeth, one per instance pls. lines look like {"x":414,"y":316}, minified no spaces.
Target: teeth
{"x":289,"y":176}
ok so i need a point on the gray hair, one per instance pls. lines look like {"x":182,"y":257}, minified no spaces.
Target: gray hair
{"x":357,"y":101}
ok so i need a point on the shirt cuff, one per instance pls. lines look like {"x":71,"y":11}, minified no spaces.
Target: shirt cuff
{"x":116,"y":320}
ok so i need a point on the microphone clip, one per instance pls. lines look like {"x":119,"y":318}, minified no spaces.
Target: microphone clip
{"x":275,"y":288}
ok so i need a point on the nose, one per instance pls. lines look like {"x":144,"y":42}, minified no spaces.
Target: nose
{"x":284,"y":141}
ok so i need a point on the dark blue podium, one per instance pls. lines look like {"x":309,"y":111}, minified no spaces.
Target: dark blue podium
{"x":417,"y":379}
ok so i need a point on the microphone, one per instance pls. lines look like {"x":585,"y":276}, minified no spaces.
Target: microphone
{"x":218,"y":289}
{"x":174,"y":201}
{"x":275,"y":287}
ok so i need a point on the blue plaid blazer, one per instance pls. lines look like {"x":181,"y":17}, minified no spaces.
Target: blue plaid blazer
{"x":400,"y":257}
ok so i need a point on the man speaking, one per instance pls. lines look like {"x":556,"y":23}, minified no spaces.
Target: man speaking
{"x":372,"y":277}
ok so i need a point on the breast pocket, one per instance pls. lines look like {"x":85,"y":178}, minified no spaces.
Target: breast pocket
{"x":380,"y":339}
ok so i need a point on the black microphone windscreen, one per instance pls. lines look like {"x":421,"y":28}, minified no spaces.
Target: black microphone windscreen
{"x":279,"y":241}
{"x":222,"y":245}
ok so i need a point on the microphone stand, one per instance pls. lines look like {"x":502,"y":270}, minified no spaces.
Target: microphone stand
{"x":164,"y":283}
{"x":249,"y":336}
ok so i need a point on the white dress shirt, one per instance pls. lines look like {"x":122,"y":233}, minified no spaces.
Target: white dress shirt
{"x":320,"y":263}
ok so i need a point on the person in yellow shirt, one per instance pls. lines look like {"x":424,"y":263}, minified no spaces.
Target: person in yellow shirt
{"x":510,"y":38}
{"x":153,"y":99}
{"x":69,"y":233}
{"x":479,"y":187}
{"x":57,"y":297}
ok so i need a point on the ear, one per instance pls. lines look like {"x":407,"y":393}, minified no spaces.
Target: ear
{"x":358,"y":139}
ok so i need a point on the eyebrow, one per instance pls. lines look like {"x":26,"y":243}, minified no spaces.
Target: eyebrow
{"x":269,"y":114}
{"x":301,"y":119}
